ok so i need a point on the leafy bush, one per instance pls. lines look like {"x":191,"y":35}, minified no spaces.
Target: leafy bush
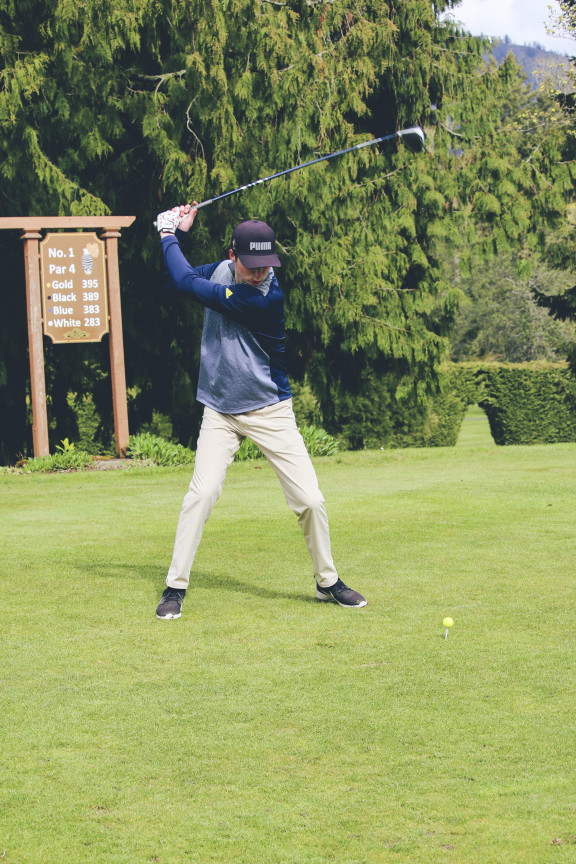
{"x":305,"y":405}
{"x":381,"y":414}
{"x":359,"y":409}
{"x":318,"y":443}
{"x":160,"y":425}
{"x":248,"y":450}
{"x":68,"y":459}
{"x":88,"y":421}
{"x":158,"y":451}
{"x":89,"y":430}
{"x":438,"y":422}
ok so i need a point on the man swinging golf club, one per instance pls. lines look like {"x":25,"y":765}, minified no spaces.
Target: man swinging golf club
{"x":245,"y":392}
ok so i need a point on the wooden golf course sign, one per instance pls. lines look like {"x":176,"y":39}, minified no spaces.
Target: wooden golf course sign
{"x":72,"y":296}
{"x":74,"y":287}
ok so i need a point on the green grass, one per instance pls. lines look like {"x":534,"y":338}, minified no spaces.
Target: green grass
{"x":263,"y":727}
{"x":475,"y":429}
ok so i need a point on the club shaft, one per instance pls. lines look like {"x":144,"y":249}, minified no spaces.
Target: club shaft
{"x":304,"y":165}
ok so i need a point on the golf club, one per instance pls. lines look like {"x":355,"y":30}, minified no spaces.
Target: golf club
{"x":413,"y":138}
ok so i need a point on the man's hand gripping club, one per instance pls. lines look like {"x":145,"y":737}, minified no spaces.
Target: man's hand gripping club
{"x":180,"y":217}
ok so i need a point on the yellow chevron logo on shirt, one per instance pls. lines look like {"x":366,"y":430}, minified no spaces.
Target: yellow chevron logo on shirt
{"x":228,"y":293}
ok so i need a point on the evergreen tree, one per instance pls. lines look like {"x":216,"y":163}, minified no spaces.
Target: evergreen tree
{"x":117,"y":107}
{"x":562,"y":251}
{"x":499,"y":319}
{"x":495,"y":185}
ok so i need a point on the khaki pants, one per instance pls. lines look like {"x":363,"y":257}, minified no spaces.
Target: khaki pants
{"x":274,"y":431}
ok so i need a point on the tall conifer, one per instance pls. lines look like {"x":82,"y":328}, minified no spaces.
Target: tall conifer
{"x":123,"y":107}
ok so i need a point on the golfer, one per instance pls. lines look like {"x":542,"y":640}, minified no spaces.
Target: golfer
{"x":245,"y":392}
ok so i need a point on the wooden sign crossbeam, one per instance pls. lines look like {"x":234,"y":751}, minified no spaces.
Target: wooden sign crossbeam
{"x":37,"y":223}
{"x":109,"y":227}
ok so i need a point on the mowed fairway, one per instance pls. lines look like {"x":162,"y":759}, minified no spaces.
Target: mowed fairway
{"x":264,"y":727}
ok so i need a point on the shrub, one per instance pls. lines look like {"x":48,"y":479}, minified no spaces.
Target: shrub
{"x":530,"y":403}
{"x":158,"y":451}
{"x":88,"y":421}
{"x":248,"y":450}
{"x":305,"y":404}
{"x":318,"y":443}
{"x":68,"y":459}
{"x":439,"y":423}
{"x":360,"y":411}
{"x":526,"y":403}
{"x":92,"y":434}
{"x":160,"y":425}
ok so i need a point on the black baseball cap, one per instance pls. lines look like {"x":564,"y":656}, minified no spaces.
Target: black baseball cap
{"x":254,"y":243}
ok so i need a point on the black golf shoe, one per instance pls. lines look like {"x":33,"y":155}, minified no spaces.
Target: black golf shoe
{"x":170,"y":605}
{"x":341,"y":594}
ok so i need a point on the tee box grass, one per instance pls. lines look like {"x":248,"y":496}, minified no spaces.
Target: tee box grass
{"x":264,"y":726}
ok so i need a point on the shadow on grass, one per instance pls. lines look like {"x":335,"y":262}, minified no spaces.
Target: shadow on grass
{"x":210,"y":582}
{"x":201,"y":580}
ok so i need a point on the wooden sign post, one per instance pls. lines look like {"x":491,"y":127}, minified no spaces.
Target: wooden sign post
{"x":75,"y":294}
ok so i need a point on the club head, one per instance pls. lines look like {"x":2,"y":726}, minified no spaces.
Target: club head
{"x":414,"y":139}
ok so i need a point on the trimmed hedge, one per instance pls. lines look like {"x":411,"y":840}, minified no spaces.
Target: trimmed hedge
{"x":439,"y":423}
{"x":531,"y":403}
{"x":526,"y":403}
{"x":373,"y":416}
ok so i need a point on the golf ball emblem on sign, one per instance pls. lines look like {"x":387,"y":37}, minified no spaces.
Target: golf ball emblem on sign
{"x":89,"y":253}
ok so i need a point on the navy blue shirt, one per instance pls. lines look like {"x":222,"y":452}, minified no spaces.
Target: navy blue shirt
{"x":242,"y":356}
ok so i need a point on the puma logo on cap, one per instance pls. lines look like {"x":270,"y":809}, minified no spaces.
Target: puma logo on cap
{"x":253,"y":242}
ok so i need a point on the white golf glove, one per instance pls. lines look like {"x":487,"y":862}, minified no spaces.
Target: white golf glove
{"x":167,"y":221}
